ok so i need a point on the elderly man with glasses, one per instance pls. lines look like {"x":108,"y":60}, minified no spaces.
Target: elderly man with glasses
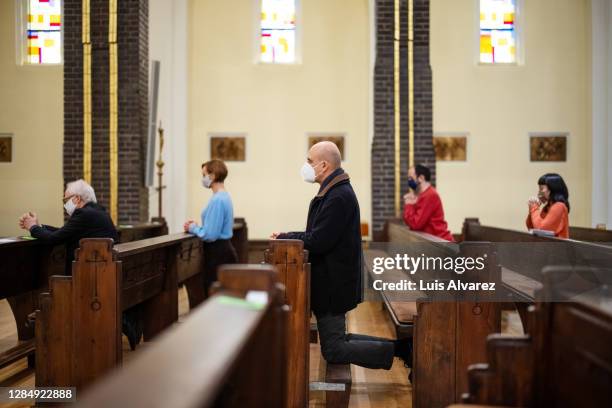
{"x":86,"y":219}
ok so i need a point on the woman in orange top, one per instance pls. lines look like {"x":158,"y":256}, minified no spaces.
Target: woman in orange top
{"x":554,"y":216}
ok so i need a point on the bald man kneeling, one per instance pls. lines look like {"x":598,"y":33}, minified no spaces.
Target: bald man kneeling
{"x":333,"y":239}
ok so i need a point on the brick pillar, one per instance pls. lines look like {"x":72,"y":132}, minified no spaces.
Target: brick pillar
{"x":423,"y":94}
{"x":132,"y":26}
{"x":383,"y":145}
{"x":73,"y":91}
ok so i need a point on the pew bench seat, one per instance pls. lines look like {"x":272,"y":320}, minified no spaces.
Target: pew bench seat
{"x":402,"y":315}
{"x":24,"y":348}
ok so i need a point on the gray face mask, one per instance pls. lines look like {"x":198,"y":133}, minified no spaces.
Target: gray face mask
{"x":206,"y":181}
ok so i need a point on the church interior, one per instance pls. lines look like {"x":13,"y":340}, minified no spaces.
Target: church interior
{"x":480,"y":102}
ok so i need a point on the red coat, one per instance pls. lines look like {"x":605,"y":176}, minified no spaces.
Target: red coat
{"x":427,"y":215}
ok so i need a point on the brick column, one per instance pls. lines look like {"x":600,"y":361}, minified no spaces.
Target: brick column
{"x":423,"y":93}
{"x":383,"y":145}
{"x":132,"y":26}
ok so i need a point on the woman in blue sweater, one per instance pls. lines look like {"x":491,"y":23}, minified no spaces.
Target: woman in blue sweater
{"x":217,"y":223}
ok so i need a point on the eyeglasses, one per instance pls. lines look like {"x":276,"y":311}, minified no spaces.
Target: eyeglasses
{"x":65,"y":199}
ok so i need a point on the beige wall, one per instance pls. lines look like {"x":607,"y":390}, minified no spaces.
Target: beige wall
{"x":500,"y":105}
{"x":168,"y":36}
{"x":276,"y":106}
{"x":30,"y":108}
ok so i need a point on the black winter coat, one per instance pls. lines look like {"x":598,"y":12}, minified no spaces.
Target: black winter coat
{"x":91,"y":221}
{"x":333,"y":239}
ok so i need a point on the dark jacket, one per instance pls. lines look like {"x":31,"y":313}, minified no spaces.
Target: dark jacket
{"x":91,"y":221}
{"x":333,"y":239}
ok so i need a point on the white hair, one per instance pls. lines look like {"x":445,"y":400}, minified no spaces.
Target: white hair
{"x":83,"y":190}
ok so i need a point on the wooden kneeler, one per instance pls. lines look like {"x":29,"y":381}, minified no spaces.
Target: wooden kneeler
{"x":78,"y":326}
{"x":338,"y":380}
{"x":337,"y":385}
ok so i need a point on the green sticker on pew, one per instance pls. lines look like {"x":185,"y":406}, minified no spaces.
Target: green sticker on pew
{"x":28,"y":237}
{"x":242,"y":303}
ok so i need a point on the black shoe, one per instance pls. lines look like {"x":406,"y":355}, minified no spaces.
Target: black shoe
{"x":403,"y":350}
{"x":132,"y":331}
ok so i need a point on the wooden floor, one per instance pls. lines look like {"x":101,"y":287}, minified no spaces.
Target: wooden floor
{"x":370,"y":388}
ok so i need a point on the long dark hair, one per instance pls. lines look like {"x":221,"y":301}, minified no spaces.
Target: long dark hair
{"x":558,"y":189}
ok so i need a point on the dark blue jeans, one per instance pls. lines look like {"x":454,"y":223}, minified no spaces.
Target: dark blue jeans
{"x":339,"y":347}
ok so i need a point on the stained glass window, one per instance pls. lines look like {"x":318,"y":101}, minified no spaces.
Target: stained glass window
{"x":44,"y":32}
{"x":278,"y":31}
{"x":497,"y":31}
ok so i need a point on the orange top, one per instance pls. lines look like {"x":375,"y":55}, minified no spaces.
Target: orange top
{"x":555,"y":219}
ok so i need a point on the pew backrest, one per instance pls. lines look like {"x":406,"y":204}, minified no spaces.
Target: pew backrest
{"x":240,"y":239}
{"x":448,"y":336}
{"x":228,"y":352}
{"x":397,"y":231}
{"x":603,"y":236}
{"x":135,"y":232}
{"x":523,"y":256}
{"x":25,"y":265}
{"x":564,"y":360}
{"x":78,"y":326}
{"x":291,"y":262}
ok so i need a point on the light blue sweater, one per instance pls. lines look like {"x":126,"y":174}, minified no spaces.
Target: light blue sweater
{"x":217,"y":219}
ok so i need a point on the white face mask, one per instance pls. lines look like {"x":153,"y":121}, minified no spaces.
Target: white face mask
{"x":206,"y":181}
{"x":308,"y":173}
{"x":70,"y":206}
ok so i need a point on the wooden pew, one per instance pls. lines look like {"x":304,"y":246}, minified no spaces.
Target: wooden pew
{"x":136,"y":232}
{"x":227,"y":353}
{"x":78,"y":326}
{"x":25,"y":268}
{"x":402,"y":313}
{"x":240,"y":240}
{"x":601,"y":235}
{"x":521,"y":275}
{"x":291,"y":261}
{"x":564,"y":360}
{"x":157,"y":227}
{"x":447,"y":336}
